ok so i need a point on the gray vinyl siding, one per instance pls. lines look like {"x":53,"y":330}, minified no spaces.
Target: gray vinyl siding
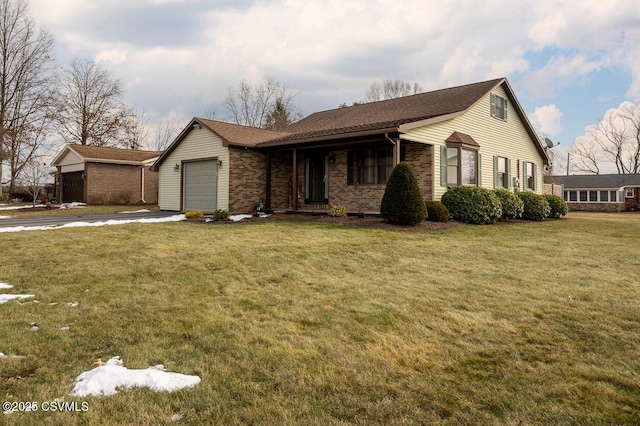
{"x":496,"y":137}
{"x":198,"y":144}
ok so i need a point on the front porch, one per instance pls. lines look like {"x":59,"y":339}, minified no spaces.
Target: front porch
{"x":353,"y":175}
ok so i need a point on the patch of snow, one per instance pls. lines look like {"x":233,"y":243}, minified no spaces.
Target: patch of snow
{"x":174,"y":218}
{"x":136,"y":211}
{"x":107,"y":379}
{"x":73,"y":205}
{"x":5,"y":217}
{"x":72,"y":304}
{"x":26,"y":206}
{"x":239,"y":217}
{"x":53,"y":303}
{"x":65,"y":328}
{"x":4,"y":298}
{"x":5,"y":285}
{"x":2,"y":355}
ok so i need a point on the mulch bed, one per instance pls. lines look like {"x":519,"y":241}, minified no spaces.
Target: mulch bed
{"x":366,"y":222}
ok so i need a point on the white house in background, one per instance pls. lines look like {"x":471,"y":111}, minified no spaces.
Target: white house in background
{"x":476,"y":134}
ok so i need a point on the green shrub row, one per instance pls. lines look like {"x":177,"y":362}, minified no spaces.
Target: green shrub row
{"x":512,"y":205}
{"x":536,"y":206}
{"x":477,"y":205}
{"x":558,"y":205}
{"x":473,"y":204}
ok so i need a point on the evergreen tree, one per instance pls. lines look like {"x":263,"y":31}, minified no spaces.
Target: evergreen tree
{"x":402,"y":202}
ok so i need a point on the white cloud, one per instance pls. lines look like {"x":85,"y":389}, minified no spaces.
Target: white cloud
{"x":185,"y":54}
{"x":547,"y":119}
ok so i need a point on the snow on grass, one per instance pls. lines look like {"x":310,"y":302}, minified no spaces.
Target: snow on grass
{"x":107,"y":379}
{"x":5,"y":217}
{"x":74,"y":205}
{"x":26,"y":206}
{"x":239,"y":217}
{"x":174,"y":218}
{"x":4,"y":298}
{"x":136,"y":211}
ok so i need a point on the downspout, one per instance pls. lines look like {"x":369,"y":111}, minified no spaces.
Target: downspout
{"x":396,"y":149}
{"x":142,"y":186}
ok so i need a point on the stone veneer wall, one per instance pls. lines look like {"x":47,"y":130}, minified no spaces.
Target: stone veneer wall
{"x":247,"y":179}
{"x":596,"y":207}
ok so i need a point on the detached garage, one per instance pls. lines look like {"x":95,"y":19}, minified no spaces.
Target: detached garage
{"x":213,"y":165}
{"x":99,"y":175}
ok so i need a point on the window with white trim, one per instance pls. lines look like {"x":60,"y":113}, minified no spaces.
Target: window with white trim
{"x":629,"y":193}
{"x":501,"y":171}
{"x":462,"y":166}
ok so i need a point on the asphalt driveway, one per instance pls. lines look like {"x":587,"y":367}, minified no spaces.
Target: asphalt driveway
{"x":64,"y":219}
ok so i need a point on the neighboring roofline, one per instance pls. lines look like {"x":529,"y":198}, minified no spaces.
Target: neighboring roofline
{"x":69,"y":147}
{"x":125,"y":162}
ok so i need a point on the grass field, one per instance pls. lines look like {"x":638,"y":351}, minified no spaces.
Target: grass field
{"x":303,"y":323}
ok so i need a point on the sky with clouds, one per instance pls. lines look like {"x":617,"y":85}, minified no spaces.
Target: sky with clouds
{"x":568,"y":61}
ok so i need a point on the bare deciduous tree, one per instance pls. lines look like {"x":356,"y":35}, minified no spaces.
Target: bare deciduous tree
{"x":390,"y":89}
{"x":165,"y":132}
{"x":615,"y":140}
{"x":134,"y":129}
{"x":585,"y":156}
{"x":267,"y":103}
{"x":90,"y":111}
{"x":34,"y":176}
{"x":27,"y":84}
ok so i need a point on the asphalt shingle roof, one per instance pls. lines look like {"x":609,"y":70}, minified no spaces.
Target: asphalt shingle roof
{"x":386,"y":114}
{"x":595,"y":181}
{"x":240,"y":135}
{"x":116,"y":154}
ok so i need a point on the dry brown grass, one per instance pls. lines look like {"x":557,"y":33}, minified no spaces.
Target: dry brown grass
{"x":303,"y":323}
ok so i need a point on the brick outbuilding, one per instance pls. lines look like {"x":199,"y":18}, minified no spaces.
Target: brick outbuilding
{"x":98,"y":175}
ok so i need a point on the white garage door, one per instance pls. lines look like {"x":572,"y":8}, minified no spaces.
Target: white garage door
{"x":200,"y":185}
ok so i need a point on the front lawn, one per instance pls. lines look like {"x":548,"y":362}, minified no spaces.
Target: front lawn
{"x":314,"y":323}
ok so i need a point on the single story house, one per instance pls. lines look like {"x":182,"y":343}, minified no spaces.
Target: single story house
{"x":614,"y":193}
{"x":98,"y":175}
{"x":476,"y":134}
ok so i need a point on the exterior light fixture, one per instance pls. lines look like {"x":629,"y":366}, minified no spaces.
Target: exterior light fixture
{"x":176,"y":167}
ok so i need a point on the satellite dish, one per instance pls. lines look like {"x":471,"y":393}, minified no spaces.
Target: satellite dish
{"x":549,"y":143}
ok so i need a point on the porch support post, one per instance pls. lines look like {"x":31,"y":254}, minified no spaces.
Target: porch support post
{"x":267,"y":200}
{"x":295,"y":179}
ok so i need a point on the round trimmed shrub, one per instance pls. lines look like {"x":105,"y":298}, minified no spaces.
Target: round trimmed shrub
{"x":536,"y":206}
{"x":473,"y":204}
{"x":559,"y":207}
{"x":402,"y":202}
{"x":512,"y":205}
{"x":436,"y":211}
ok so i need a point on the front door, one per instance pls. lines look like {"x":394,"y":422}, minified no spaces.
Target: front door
{"x":317,"y":187}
